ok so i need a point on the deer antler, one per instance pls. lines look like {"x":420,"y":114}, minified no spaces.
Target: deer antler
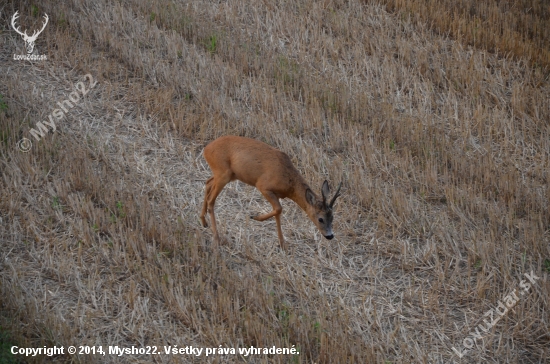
{"x":335,"y":195}
{"x":35,"y":34}
{"x":15,"y":16}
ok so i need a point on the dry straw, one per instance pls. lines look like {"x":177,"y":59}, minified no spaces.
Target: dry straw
{"x":444,"y":150}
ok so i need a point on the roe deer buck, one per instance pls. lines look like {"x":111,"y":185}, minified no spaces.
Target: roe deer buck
{"x":272,"y":173}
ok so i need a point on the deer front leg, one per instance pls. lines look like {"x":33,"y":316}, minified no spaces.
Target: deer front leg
{"x":280,"y":232}
{"x":277,"y":210}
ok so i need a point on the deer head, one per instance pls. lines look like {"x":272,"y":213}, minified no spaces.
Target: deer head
{"x":320,"y":212}
{"x":29,"y":41}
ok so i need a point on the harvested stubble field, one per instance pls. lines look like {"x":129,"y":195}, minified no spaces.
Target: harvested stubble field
{"x":444,"y":151}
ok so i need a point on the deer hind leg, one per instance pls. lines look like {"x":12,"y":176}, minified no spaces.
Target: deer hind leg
{"x":207,"y":191}
{"x":277,"y":210}
{"x":217,"y":185}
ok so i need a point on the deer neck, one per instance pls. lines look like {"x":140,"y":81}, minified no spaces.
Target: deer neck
{"x":299,"y":195}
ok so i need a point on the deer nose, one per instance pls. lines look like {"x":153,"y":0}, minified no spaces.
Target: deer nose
{"x":329,"y":237}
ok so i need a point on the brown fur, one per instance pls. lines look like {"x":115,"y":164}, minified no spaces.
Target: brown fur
{"x":271,"y":172}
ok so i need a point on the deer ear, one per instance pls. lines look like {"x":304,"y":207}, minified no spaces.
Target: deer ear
{"x":310,"y":197}
{"x":325,"y":190}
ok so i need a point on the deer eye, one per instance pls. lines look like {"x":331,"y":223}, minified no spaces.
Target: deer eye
{"x":321,"y":220}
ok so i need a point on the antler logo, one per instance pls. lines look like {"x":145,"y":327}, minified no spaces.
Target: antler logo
{"x":29,"y":41}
